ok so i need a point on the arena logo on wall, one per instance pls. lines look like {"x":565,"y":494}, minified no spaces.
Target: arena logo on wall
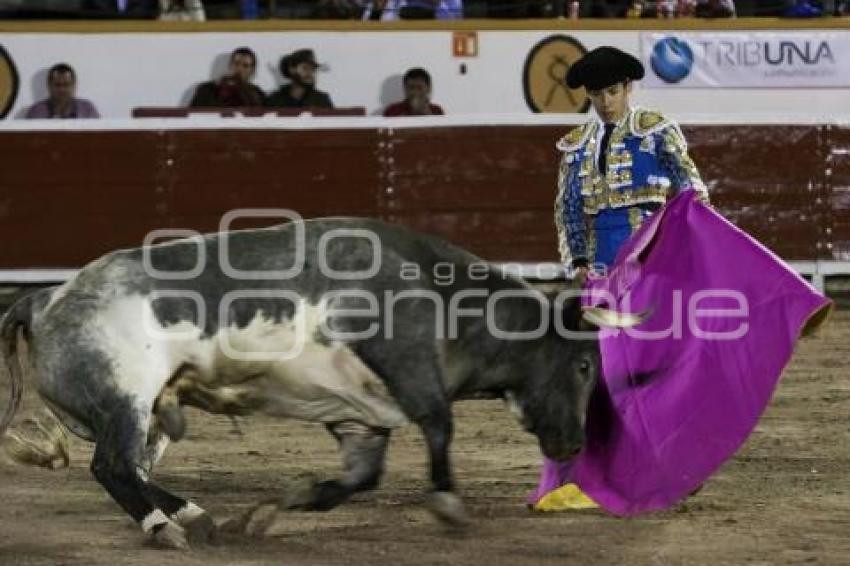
{"x":747,"y":59}
{"x":9,"y":83}
{"x":544,"y":76}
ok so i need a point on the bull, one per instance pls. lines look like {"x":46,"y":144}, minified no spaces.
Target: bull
{"x":339,"y":321}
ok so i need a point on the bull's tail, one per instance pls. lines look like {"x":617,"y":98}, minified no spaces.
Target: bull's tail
{"x":39,"y":441}
{"x":18,"y":317}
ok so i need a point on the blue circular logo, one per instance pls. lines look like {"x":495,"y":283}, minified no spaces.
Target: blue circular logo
{"x":672,"y":59}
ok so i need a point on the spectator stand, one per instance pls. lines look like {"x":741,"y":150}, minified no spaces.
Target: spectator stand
{"x":358,"y":9}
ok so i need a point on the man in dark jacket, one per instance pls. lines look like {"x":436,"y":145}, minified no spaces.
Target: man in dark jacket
{"x":300,"y":68}
{"x":234,"y":89}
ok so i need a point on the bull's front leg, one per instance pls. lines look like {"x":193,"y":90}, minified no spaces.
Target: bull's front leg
{"x":409,"y":368}
{"x":363,"y":451}
{"x":443,"y":502}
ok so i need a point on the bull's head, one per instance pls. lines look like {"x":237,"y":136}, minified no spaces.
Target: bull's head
{"x":560,"y":377}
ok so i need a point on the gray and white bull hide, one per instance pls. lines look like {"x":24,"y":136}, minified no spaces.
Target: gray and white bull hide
{"x":348,"y":322}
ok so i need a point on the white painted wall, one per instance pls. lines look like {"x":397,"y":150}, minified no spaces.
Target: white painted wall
{"x":121,"y":71}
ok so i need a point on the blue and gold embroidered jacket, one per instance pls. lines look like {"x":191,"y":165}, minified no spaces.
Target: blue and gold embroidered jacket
{"x":647,"y":162}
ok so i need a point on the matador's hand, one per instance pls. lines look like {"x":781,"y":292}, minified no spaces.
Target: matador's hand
{"x":580,"y":275}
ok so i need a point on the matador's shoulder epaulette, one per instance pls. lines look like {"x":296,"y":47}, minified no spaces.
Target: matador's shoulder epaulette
{"x":576,"y":137}
{"x":645,"y":122}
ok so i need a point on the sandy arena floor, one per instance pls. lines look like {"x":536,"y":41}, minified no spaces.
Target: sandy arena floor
{"x":785,"y":498}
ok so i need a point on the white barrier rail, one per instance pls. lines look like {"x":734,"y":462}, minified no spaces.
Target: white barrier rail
{"x":816,"y":270}
{"x":309,"y":122}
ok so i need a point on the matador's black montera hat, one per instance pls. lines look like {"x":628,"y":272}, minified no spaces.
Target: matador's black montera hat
{"x":603,"y":67}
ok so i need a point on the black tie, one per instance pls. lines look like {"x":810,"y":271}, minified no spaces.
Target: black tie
{"x":603,"y":147}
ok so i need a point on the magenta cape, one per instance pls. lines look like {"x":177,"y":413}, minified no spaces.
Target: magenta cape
{"x":669,"y":411}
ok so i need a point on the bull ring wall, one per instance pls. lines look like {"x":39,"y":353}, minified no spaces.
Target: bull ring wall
{"x":73,"y":191}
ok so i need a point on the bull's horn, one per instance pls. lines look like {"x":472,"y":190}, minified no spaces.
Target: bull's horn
{"x":613,"y":319}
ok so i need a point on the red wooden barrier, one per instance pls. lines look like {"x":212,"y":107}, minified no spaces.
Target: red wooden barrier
{"x":68,"y":197}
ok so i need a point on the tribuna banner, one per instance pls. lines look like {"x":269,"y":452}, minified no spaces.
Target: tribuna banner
{"x":746,"y":59}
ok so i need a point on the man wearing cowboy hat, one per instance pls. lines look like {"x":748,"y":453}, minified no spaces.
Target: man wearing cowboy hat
{"x":616,"y":171}
{"x":300,"y":68}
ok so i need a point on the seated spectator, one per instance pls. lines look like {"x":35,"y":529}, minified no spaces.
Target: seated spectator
{"x":61,"y":101}
{"x":514,"y":9}
{"x":417,"y":96}
{"x":337,"y":10}
{"x":250,"y":9}
{"x":715,"y":9}
{"x":182,"y":11}
{"x":413,"y":10}
{"x":130,"y":9}
{"x":609,"y":9}
{"x":803,"y":9}
{"x":235,"y":88}
{"x":300,"y":68}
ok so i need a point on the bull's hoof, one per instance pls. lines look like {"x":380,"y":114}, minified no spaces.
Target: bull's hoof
{"x":448,"y":508}
{"x":261,"y":520}
{"x":233,"y":525}
{"x":201,"y":530}
{"x":254,"y":523}
{"x":327,"y":495}
{"x":319,"y":496}
{"x":170,"y":536}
